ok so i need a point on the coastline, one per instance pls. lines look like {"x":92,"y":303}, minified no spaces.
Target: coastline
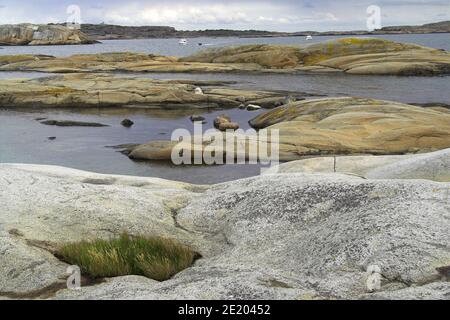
{"x":374,"y":190}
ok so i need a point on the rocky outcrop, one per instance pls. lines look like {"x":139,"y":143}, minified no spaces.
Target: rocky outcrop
{"x":356,"y":125}
{"x":349,"y":55}
{"x":331,"y":126}
{"x":100,"y":90}
{"x":29,"y":34}
{"x":282,"y":236}
{"x":120,"y":62}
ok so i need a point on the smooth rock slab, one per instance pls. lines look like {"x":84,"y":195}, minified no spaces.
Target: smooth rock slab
{"x":431,"y":166}
{"x":284,"y":236}
{"x":351,"y":125}
{"x":100,"y":90}
{"x":371,"y":56}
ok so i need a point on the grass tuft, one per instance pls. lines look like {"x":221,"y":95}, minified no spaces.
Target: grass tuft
{"x":153,"y":257}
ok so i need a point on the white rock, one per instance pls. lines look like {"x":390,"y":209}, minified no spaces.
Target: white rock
{"x":432,"y":166}
{"x":283,"y":236}
{"x":253,"y":107}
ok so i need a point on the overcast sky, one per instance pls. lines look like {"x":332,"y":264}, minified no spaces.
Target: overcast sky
{"x":281,"y":15}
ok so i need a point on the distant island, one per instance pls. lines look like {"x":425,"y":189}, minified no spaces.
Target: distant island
{"x":109,"y":32}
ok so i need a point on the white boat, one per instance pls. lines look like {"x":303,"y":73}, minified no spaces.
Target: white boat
{"x":309,"y":37}
{"x":183,"y":42}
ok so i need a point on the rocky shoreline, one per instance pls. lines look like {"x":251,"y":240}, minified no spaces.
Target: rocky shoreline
{"x":314,"y":238}
{"x":307,"y":127}
{"x":377,"y":196}
{"x":87,"y":90}
{"x":330,"y":126}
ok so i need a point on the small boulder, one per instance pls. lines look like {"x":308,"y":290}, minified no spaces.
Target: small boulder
{"x":223,"y":123}
{"x":127,"y":123}
{"x":198,"y":90}
{"x":197,"y":119}
{"x":253,"y":107}
{"x":228,"y":126}
{"x":221,"y":119}
{"x":51,"y":138}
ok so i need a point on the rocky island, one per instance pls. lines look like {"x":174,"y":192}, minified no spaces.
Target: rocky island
{"x":107,"y":31}
{"x":367,"y":56}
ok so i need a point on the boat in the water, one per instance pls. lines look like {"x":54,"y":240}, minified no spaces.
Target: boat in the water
{"x":309,"y":37}
{"x":183,"y":42}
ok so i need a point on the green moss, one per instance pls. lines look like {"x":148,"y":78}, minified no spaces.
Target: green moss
{"x":154,"y":257}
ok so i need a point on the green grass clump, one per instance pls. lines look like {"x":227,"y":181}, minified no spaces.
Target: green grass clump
{"x":153,"y":257}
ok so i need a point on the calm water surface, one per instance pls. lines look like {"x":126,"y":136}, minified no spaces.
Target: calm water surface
{"x":172,"y":48}
{"x":25,"y":140}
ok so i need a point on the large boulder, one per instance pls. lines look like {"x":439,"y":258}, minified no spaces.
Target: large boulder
{"x":283,"y":236}
{"x":350,"y":55}
{"x":28,"y":34}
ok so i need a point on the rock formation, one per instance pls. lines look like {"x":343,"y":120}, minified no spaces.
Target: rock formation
{"x":350,"y":55}
{"x":102,"y":90}
{"x":432,"y":166}
{"x":224,"y":123}
{"x":336,"y":126}
{"x":29,"y":34}
{"x":279,"y":236}
{"x":356,"y":125}
{"x":371,"y":56}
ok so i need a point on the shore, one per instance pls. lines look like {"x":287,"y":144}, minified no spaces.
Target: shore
{"x":366,"y":183}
